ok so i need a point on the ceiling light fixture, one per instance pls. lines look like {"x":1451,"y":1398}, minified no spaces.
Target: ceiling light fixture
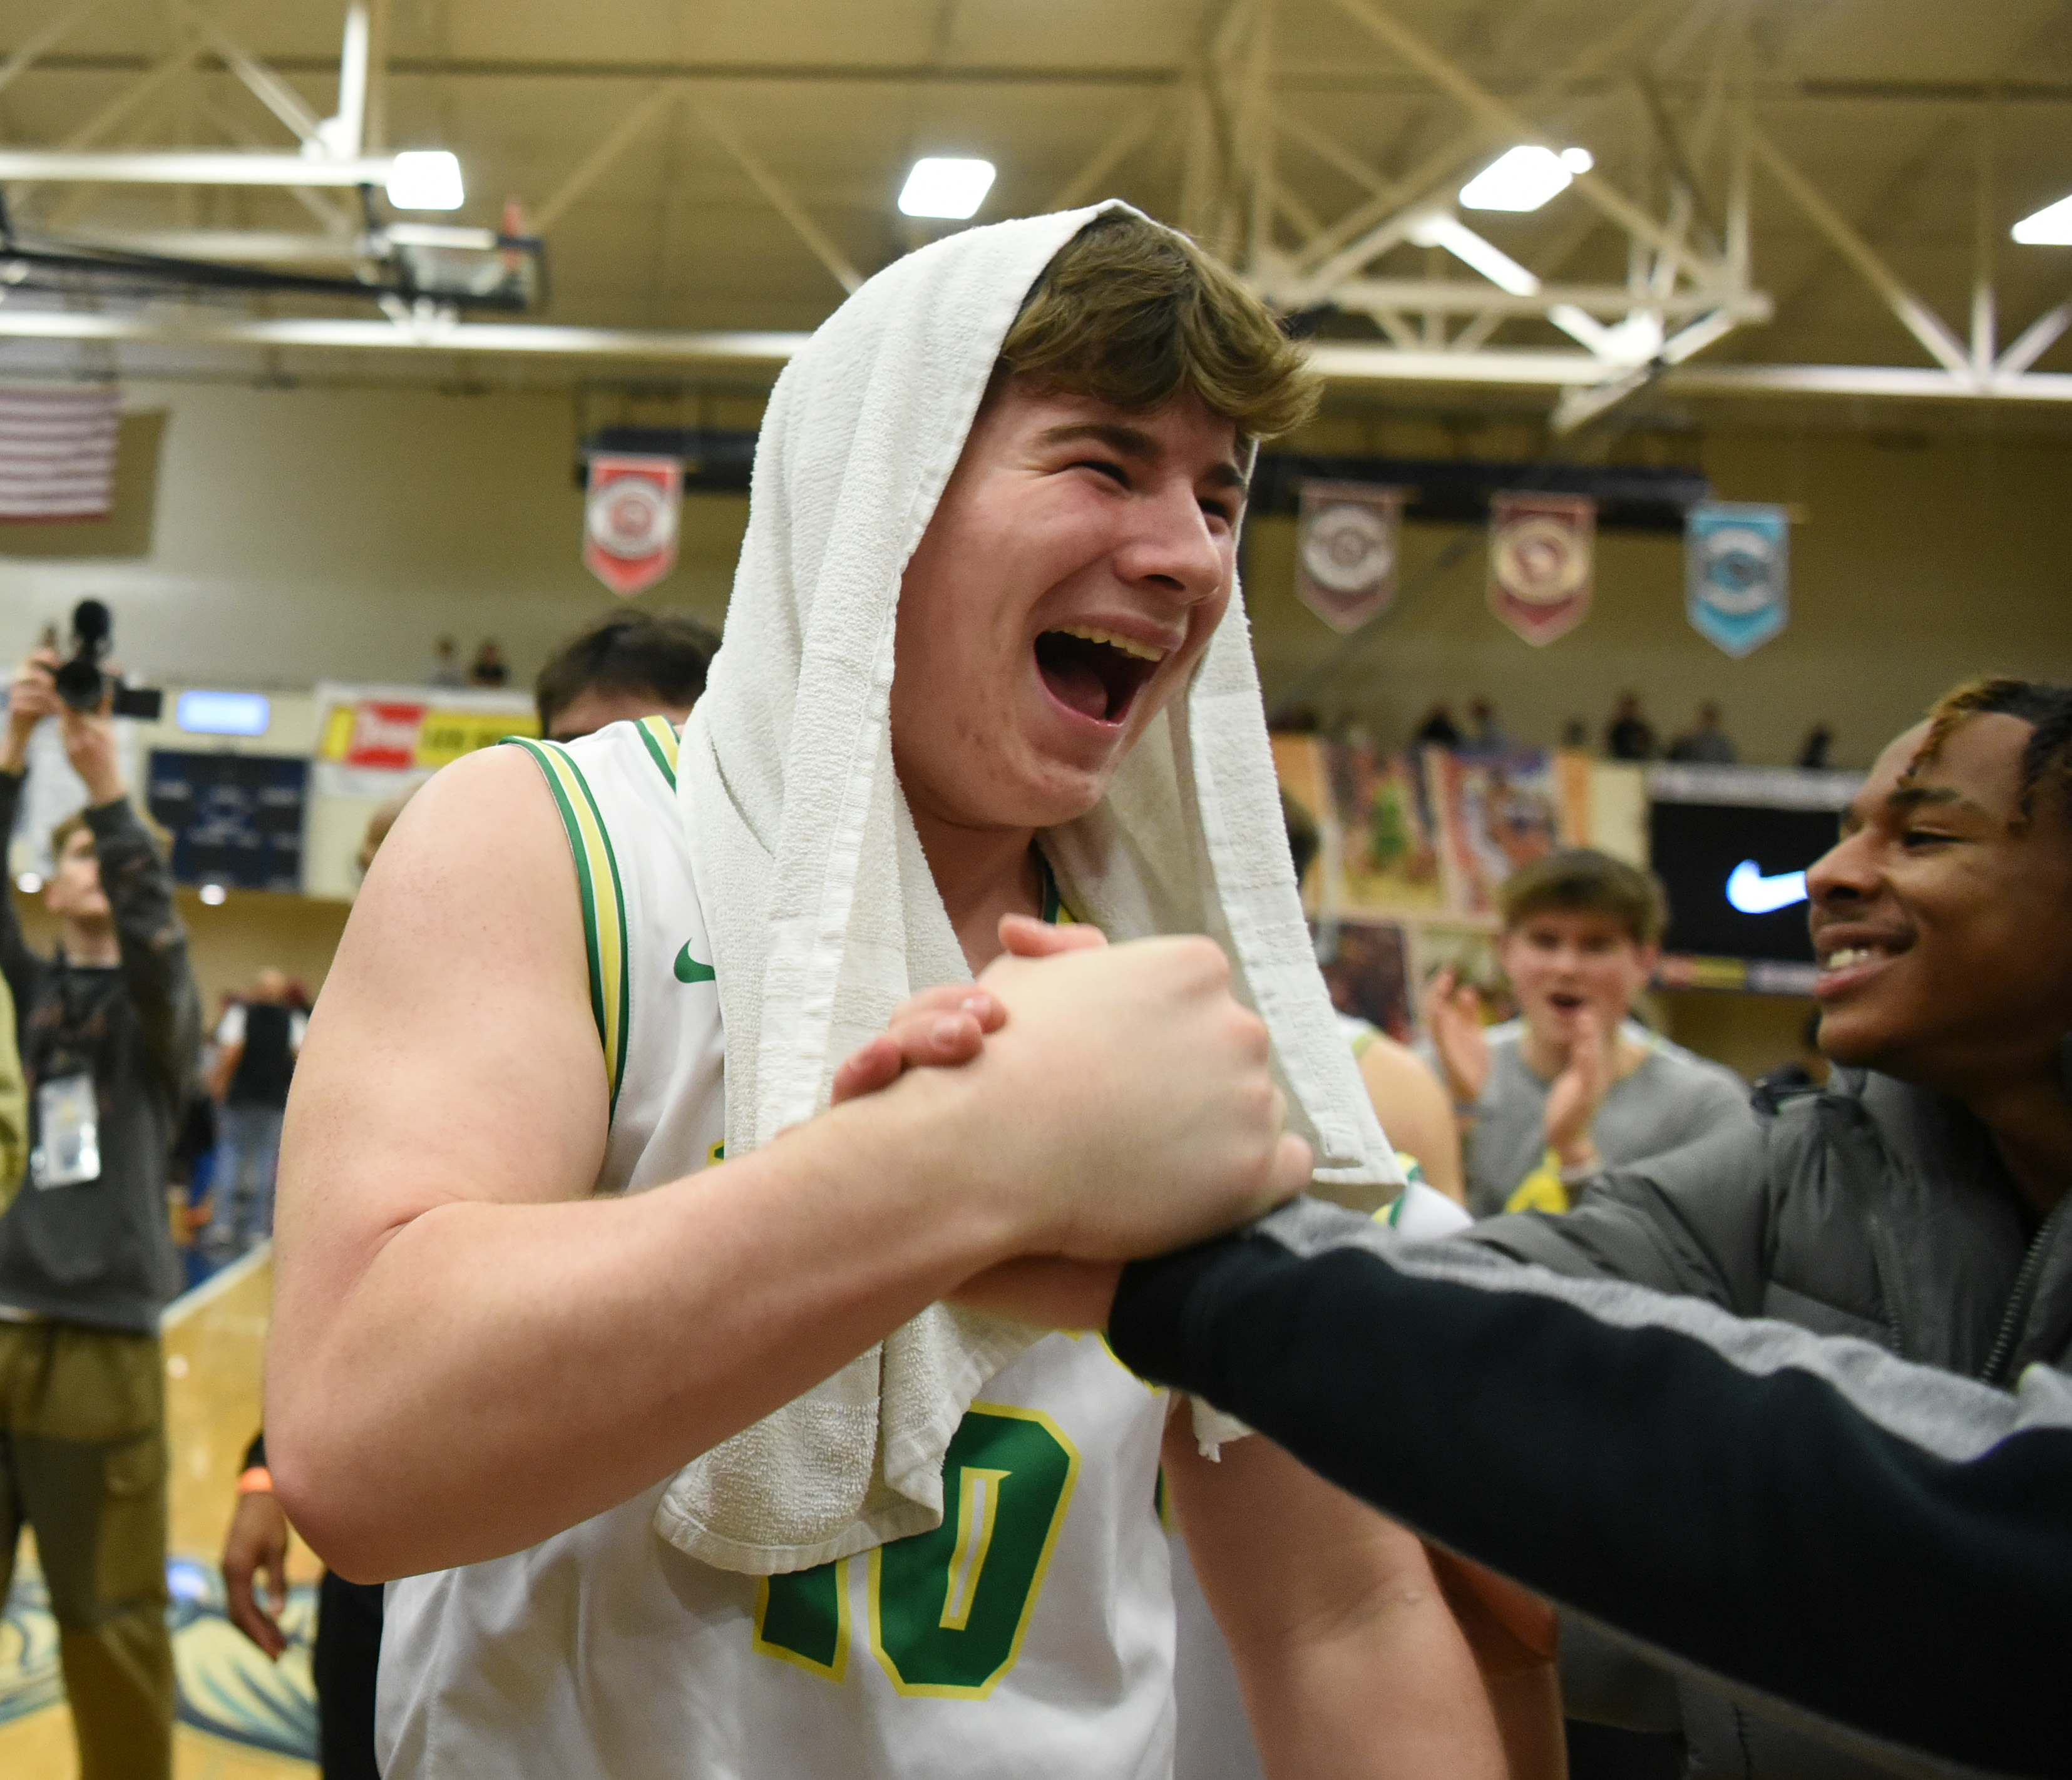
{"x":425,"y":179}
{"x":942,"y":186}
{"x":2050,"y":226}
{"x":1524,"y":178}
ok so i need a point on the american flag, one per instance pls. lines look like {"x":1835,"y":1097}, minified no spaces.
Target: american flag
{"x":57,"y":452}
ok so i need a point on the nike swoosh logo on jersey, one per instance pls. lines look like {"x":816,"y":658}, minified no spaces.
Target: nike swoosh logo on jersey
{"x":689,"y":970}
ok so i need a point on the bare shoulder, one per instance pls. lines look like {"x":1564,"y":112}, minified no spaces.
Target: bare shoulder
{"x":476,"y":863}
{"x":453,"y":1053}
{"x":489,"y":814}
{"x":1397,"y":1077}
{"x":1414,"y":1110}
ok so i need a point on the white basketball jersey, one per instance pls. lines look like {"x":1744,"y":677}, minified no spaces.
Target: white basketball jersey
{"x":1030,"y":1635}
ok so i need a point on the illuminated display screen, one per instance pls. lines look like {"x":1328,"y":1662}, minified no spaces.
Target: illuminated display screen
{"x":1737,"y":877}
{"x":224,"y":714}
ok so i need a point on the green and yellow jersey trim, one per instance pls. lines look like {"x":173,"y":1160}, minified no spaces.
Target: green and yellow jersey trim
{"x":660,"y":740}
{"x":603,"y":897}
{"x":1055,"y":913}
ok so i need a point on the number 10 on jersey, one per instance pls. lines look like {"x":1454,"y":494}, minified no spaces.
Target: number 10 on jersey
{"x":949,"y":1608}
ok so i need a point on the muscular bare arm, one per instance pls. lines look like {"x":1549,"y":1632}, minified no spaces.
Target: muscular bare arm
{"x":469,"y":1352}
{"x":1353,"y":1665}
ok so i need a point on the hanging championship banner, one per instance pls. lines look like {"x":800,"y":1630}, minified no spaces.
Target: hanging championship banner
{"x":1737,"y":573}
{"x":1541,"y":551}
{"x":630,"y":520}
{"x":1346,"y":550}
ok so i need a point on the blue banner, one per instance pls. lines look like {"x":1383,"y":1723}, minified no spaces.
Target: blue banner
{"x":1737,"y":573}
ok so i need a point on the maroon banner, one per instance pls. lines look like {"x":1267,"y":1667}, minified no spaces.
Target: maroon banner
{"x":630,"y":520}
{"x":1346,"y":550}
{"x":1541,"y":548}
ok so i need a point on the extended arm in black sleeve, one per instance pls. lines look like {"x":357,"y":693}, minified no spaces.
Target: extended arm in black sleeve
{"x":138,"y":884}
{"x":1889,"y":1547}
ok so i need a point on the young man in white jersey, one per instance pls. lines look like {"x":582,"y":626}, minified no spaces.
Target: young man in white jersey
{"x":525,"y":1332}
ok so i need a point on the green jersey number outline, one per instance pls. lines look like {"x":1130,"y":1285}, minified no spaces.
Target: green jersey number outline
{"x":949,"y":1607}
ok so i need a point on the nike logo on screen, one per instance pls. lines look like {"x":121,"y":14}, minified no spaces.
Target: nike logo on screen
{"x":689,"y":970}
{"x":1750,"y":892}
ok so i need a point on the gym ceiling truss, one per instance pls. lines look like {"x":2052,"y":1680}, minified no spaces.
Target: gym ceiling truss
{"x":1397,"y":286}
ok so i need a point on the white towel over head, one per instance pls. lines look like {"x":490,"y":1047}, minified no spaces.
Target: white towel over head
{"x":823,"y":916}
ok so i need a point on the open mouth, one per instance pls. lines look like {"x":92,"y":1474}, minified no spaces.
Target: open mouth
{"x":1565,"y":1002}
{"x":1094,"y":672}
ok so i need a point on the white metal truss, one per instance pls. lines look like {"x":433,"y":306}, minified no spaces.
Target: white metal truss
{"x":1448,"y":304}
{"x":1687,"y":287}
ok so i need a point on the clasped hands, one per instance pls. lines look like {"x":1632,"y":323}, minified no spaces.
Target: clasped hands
{"x":1188,"y":1172}
{"x":1511,"y":1633}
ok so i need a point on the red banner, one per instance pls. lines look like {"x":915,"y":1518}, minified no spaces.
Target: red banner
{"x":1346,"y":550}
{"x":383,"y":734}
{"x":1541,"y":548}
{"x":630,"y":520}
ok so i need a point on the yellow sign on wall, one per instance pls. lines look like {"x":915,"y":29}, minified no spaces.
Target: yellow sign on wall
{"x":446,"y":735}
{"x":402,"y":736}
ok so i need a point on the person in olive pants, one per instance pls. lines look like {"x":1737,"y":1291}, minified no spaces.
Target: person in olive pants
{"x":108,"y":1030}
{"x":83,"y":1461}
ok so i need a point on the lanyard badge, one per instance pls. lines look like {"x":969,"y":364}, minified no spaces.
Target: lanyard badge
{"x":68,"y":1122}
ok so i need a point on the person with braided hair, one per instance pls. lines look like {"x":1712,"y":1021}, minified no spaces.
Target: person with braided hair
{"x":1791,"y":1406}
{"x":1918,"y":1202}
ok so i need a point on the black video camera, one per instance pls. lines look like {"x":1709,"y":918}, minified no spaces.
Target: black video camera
{"x":82,"y":684}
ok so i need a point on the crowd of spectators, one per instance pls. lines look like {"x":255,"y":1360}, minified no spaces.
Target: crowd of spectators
{"x":488,"y":669}
{"x":1628,"y":733}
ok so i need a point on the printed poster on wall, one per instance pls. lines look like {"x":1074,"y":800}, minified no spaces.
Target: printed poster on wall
{"x":1388,"y":858}
{"x":1542,"y":550}
{"x":1737,"y":573}
{"x":630,"y":520}
{"x":1346,"y":550}
{"x":1368,"y":972}
{"x":375,"y":741}
{"x":1496,"y":813}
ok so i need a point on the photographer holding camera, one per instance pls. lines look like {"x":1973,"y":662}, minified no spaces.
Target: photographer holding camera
{"x":109,"y":1029}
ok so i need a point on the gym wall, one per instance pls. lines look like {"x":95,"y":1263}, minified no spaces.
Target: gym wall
{"x":300,"y":533}
{"x":292,"y":534}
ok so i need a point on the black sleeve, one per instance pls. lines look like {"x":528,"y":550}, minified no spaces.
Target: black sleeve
{"x":153,"y":943}
{"x":18,"y":963}
{"x":1797,"y":1525}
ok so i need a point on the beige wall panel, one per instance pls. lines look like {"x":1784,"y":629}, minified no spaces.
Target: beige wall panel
{"x":1753,"y":1034}
{"x":316,"y":533}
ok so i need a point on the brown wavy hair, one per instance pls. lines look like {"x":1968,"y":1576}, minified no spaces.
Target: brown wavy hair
{"x":627,"y":652}
{"x":1584,"y":880}
{"x":1131,"y":313}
